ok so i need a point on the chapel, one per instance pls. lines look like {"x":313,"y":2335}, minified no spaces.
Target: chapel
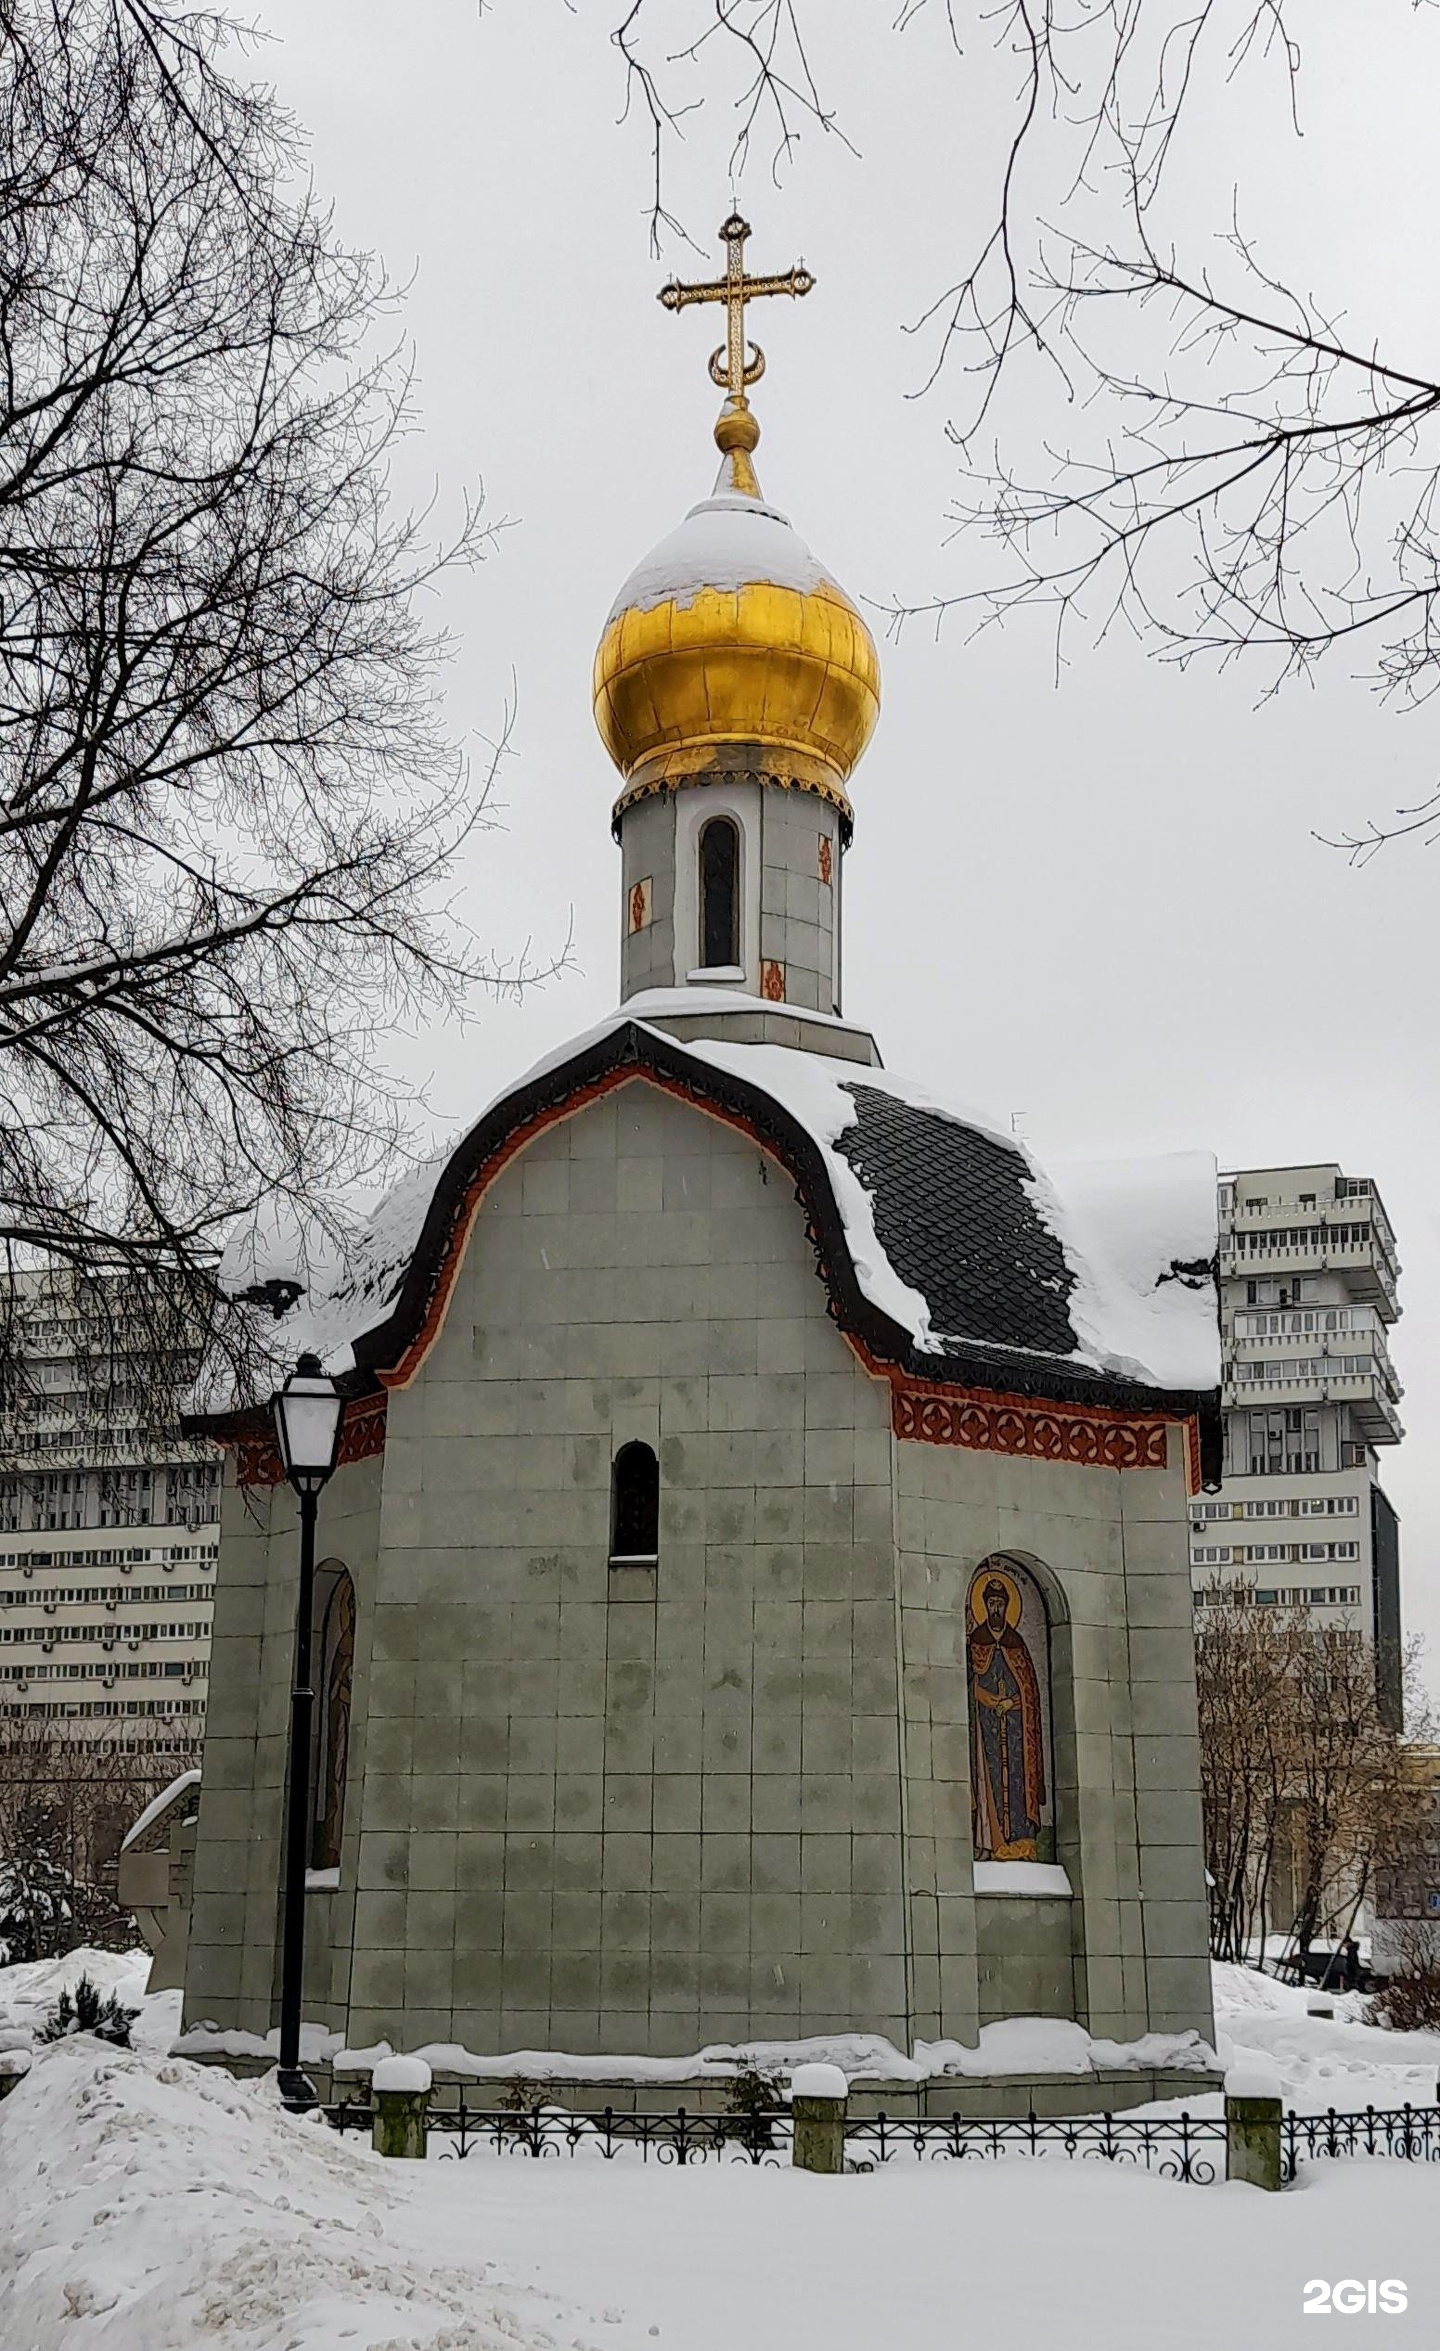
{"x":754,"y":1602}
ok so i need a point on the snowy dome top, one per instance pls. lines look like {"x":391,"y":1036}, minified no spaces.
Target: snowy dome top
{"x":727,"y":542}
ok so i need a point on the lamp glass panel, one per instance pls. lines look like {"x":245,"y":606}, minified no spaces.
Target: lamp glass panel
{"x":308,"y":1426}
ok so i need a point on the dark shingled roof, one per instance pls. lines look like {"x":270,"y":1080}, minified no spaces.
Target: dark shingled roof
{"x":955,"y":1220}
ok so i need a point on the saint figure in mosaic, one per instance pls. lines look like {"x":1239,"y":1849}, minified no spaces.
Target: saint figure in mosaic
{"x":1006,"y":1724}
{"x":338,"y":1670}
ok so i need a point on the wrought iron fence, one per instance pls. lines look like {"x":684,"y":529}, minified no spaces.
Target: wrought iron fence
{"x":1181,"y":2147}
{"x":1409,"y":2134}
{"x":545,"y":2131}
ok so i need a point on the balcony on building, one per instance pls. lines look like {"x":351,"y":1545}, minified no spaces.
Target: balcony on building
{"x":1322,"y":1245}
{"x":1333,"y":1223}
{"x":1375,"y":1418}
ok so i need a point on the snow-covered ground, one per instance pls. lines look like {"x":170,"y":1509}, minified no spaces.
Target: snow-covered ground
{"x":28,"y":1994}
{"x":147,"y":2204}
{"x":1322,"y":2062}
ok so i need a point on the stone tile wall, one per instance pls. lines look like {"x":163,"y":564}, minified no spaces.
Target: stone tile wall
{"x":231,"y":1974}
{"x":648,"y":957}
{"x":581,"y":1818}
{"x":1110,"y":1551}
{"x":622,"y":1824}
{"x":799,"y":912}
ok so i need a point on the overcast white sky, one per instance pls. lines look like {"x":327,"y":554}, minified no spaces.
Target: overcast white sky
{"x":1096,"y":903}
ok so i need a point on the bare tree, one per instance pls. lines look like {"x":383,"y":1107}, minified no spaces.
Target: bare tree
{"x":762,"y":64}
{"x":64,"y":1808}
{"x":1220,"y":462}
{"x":1356,"y":1807}
{"x":1303,"y":1776}
{"x":227,"y":793}
{"x":1244,"y":1658}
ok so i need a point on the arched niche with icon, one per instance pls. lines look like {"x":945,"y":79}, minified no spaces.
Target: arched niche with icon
{"x":1012,"y":1753}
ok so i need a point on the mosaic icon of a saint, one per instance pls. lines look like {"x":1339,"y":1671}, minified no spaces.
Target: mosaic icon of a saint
{"x":338,"y":1669}
{"x":1006,"y":1724}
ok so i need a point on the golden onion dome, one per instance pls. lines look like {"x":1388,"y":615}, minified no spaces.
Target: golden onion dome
{"x":730,"y":651}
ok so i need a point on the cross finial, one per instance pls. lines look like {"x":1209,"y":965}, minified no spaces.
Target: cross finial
{"x":736,"y":364}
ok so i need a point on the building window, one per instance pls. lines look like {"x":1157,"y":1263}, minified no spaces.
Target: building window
{"x":192,"y":1495}
{"x":1284,"y":1442}
{"x":57,"y":1500}
{"x":124,"y":1497}
{"x":720,"y":894}
{"x":635,"y":1504}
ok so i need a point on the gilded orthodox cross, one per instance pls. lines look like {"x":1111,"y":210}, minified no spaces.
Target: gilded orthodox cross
{"x":736,"y":363}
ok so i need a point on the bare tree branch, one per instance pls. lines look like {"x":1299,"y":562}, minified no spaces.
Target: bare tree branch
{"x":773,"y":85}
{"x":1230,"y":470}
{"x":228,"y":798}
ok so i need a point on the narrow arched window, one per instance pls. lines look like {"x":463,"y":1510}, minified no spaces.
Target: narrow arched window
{"x":336,"y":1648}
{"x":635,"y":1504}
{"x":719,"y":894}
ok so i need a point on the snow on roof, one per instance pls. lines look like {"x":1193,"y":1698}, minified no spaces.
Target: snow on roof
{"x":180,"y":1786}
{"x":1120,"y":1226}
{"x":726,"y":542}
{"x":1127,"y":1224}
{"x":814,"y":1090}
{"x":344,"y":1289}
{"x":660,"y":1003}
{"x":953,"y":1230}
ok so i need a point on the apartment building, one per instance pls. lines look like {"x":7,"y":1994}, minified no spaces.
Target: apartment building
{"x":1308,"y":1294}
{"x":108,"y":1525}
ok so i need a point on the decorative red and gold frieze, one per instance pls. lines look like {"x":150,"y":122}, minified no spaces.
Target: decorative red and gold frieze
{"x":1088,"y":1435}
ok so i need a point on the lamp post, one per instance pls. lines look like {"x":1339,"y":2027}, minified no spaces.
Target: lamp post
{"x":307,"y":1423}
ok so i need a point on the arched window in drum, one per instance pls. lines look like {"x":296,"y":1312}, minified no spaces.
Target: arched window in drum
{"x":720,"y":894}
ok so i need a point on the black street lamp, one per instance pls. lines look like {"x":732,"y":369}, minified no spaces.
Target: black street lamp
{"x":307,"y":1422}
